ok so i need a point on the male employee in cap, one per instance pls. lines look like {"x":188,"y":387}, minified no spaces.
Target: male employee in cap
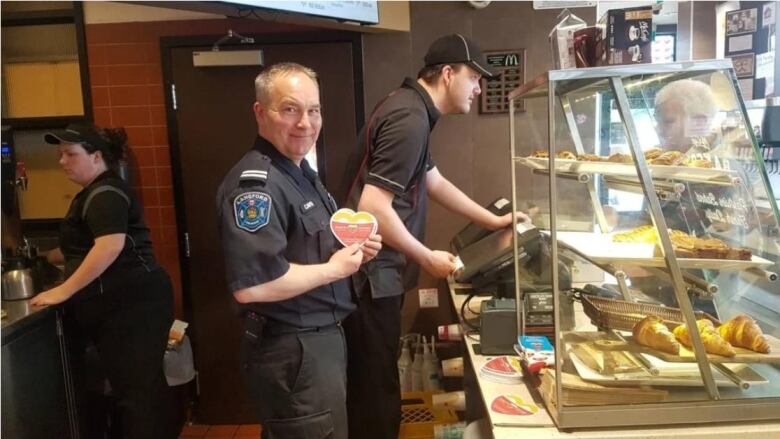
{"x":284,"y":264}
{"x":394,"y":180}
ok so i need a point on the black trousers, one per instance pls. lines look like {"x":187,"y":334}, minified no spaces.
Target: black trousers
{"x":128,"y":327}
{"x":297,"y":382}
{"x":373,"y":387}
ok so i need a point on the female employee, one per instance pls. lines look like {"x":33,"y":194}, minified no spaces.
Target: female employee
{"x":117,"y":295}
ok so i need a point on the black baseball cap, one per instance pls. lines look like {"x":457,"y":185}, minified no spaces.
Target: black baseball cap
{"x":457,"y":49}
{"x":77,"y":133}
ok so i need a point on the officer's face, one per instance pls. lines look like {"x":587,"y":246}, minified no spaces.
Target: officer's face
{"x":291,"y":120}
{"x":462,"y":89}
{"x":80,"y":166}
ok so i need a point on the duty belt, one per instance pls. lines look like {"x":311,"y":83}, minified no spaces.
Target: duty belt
{"x":277,"y":327}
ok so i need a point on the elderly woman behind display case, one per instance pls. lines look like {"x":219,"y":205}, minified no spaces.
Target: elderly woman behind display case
{"x":684,"y":111}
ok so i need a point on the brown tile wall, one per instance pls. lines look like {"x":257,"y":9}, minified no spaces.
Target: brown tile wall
{"x":126,"y":81}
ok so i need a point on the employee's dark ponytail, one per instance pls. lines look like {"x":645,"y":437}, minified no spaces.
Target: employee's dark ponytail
{"x":117,"y":145}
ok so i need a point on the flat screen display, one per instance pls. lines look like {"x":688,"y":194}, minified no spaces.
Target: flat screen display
{"x":359,"y":11}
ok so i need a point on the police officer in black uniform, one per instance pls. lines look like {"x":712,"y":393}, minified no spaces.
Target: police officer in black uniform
{"x":282,"y":263}
{"x":117,"y":296}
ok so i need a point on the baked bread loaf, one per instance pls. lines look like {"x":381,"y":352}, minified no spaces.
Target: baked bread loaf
{"x":642,"y":234}
{"x":744,"y":332}
{"x":540,"y":154}
{"x":712,"y":340}
{"x":652,"y":332}
{"x":687,"y":246}
{"x":647,"y":235}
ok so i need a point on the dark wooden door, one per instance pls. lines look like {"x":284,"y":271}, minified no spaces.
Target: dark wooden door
{"x":212,"y":127}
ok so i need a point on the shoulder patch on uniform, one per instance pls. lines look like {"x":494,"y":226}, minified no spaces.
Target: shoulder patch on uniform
{"x":252,"y":210}
{"x":254,"y":174}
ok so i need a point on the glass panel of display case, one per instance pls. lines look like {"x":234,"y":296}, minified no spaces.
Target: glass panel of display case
{"x":634,"y":148}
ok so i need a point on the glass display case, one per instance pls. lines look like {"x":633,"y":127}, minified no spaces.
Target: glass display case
{"x":651,"y":173}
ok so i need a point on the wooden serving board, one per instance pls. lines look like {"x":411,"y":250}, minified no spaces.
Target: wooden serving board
{"x":687,"y":355}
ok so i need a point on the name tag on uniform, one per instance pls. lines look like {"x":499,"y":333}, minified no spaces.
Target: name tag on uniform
{"x":307,"y":206}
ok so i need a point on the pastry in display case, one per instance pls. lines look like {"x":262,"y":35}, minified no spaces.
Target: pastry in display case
{"x":652,"y":174}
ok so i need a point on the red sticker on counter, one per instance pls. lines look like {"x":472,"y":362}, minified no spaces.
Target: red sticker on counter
{"x":504,"y":365}
{"x":351,"y":227}
{"x":513,"y":405}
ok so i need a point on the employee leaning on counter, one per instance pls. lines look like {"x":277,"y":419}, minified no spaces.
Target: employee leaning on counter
{"x":116,"y":294}
{"x":395,"y":178}
{"x":284,"y":264}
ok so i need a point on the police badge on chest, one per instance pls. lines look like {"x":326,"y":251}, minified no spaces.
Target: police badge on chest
{"x":252,"y":210}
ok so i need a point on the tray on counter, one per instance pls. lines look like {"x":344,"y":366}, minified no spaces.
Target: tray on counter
{"x":686,"y":355}
{"x":686,"y":173}
{"x":599,"y":248}
{"x":690,"y":377}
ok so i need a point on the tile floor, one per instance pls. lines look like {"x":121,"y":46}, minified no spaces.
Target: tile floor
{"x":220,"y":431}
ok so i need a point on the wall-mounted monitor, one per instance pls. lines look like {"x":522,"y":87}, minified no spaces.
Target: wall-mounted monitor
{"x":366,"y":12}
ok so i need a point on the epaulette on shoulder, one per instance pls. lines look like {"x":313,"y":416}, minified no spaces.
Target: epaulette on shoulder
{"x":258,"y":173}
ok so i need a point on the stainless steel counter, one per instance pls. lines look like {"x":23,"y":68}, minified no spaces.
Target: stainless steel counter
{"x":19,"y":315}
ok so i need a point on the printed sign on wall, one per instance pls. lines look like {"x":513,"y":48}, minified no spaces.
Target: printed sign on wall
{"x":511,"y":64}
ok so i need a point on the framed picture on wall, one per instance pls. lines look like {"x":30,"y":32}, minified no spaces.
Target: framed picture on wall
{"x":744,"y":65}
{"x":742,"y":21}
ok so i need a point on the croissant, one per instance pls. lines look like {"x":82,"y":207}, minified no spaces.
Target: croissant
{"x":744,"y":332}
{"x":713,"y":342}
{"x":652,"y":332}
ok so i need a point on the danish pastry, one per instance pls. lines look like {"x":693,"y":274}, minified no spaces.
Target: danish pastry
{"x":620,"y":158}
{"x":566,"y":155}
{"x":700,"y":163}
{"x":652,"y":153}
{"x":590,"y":158}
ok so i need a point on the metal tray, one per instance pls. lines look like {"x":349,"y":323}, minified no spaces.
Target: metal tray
{"x":599,"y":248}
{"x":686,"y":173}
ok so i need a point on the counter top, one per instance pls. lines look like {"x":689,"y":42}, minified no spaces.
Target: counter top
{"x":20,"y":315}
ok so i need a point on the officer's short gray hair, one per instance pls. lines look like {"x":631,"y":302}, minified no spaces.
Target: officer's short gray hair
{"x":265,"y":79}
{"x":696,"y":96}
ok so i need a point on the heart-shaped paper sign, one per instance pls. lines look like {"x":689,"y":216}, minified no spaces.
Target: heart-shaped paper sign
{"x":351,"y":227}
{"x":513,"y":405}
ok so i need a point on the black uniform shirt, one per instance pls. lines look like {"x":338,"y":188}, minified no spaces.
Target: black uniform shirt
{"x":105,"y":207}
{"x":397,"y":139}
{"x":272,"y":213}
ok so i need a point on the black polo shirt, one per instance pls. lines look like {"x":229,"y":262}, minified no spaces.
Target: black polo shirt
{"x":272,"y":213}
{"x":107,"y":206}
{"x":396,"y":157}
